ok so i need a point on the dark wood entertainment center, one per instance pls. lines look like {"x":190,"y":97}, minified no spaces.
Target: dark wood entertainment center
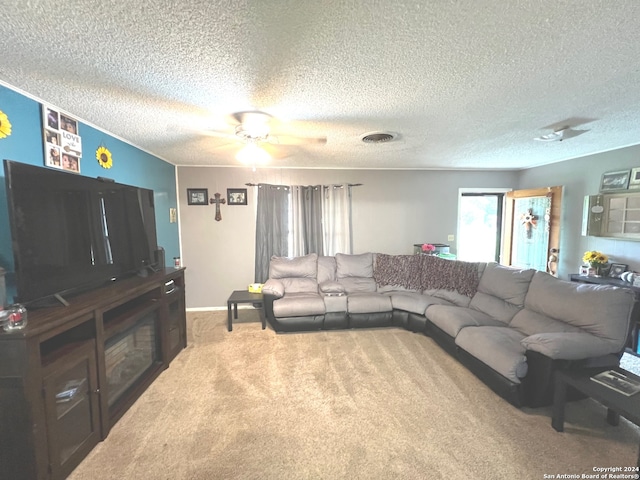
{"x":70,"y":375}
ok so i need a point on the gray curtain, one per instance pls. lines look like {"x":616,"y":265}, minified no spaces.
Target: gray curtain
{"x":336,"y":219}
{"x":306,"y":212}
{"x":272,"y":227}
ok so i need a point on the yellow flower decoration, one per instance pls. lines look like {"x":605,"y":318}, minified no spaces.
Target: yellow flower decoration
{"x":104,"y":157}
{"x":5,"y":125}
{"x":594,"y":256}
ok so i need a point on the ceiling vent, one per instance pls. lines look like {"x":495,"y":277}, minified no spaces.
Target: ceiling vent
{"x":378,"y":137}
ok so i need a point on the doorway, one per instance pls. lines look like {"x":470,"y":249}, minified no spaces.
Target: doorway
{"x":520,"y":228}
{"x":480,"y":220}
{"x":532,"y":229}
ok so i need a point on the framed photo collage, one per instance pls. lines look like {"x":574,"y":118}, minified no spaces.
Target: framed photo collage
{"x":62,"y":141}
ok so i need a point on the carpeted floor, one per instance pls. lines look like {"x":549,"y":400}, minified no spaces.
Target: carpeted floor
{"x":361,"y":404}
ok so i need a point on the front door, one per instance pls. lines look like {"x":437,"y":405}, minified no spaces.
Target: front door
{"x":532,"y":229}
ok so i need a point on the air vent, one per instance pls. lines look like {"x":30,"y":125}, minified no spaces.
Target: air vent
{"x":378,"y":137}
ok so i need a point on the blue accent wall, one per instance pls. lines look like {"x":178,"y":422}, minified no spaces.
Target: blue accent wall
{"x":131,"y":166}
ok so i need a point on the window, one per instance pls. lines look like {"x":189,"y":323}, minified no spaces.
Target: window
{"x":298,"y":220}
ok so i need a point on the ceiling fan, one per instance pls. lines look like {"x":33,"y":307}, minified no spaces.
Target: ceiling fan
{"x":254,"y":128}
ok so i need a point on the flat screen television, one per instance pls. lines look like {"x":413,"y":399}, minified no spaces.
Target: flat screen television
{"x":72,"y":233}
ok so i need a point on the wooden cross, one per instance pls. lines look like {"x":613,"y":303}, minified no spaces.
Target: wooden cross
{"x":529,"y":220}
{"x":217,"y":200}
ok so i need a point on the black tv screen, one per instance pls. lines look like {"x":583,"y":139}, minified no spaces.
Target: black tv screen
{"x":72,"y":233}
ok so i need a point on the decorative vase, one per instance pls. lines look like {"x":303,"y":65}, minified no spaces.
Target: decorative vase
{"x":600,"y":269}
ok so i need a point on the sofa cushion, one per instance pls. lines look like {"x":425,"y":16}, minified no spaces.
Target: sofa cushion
{"x":368,"y":303}
{"x":358,"y":284}
{"x":354,"y":265}
{"x":299,"y":285}
{"x":449,"y":296}
{"x":507,"y":283}
{"x":501,"y":291}
{"x":326,"y":269}
{"x":494,"y":307}
{"x":298,"y":305}
{"x":393,"y":288}
{"x":273,"y":287}
{"x":497,"y":347}
{"x":602,"y":310}
{"x":452,"y":319}
{"x":296,"y":267}
{"x":414,"y":302}
{"x":334,"y":304}
{"x":529,"y":322}
{"x":570,"y":345}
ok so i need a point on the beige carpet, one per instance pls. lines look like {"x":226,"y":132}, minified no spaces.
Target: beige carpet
{"x":361,"y":404}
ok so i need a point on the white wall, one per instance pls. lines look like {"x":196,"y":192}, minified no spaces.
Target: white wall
{"x":580,"y":177}
{"x":392,"y":210}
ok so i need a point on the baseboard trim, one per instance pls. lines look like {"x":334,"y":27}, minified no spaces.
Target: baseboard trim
{"x":216,"y":309}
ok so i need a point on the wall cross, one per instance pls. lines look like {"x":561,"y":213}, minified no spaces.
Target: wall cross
{"x":217,"y":200}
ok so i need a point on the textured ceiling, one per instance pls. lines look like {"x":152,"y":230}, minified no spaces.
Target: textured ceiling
{"x":464,"y":84}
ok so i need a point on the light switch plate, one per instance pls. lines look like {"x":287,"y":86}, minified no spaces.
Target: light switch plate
{"x":173,"y":215}
{"x":451,"y":238}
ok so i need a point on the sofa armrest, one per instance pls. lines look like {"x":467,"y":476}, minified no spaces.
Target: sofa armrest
{"x":273,"y":287}
{"x":568,"y":345}
{"x":331,"y":288}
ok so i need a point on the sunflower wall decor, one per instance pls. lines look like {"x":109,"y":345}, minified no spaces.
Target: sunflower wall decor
{"x":5,"y":125}
{"x":104,"y":157}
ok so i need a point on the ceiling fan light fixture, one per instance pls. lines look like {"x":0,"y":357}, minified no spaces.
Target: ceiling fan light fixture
{"x":254,"y":125}
{"x":252,"y":154}
{"x":253,"y":132}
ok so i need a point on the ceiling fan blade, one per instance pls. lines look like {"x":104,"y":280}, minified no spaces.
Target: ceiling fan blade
{"x":570,"y":133}
{"x":294,"y":140}
{"x":275,"y":152}
{"x":203,"y":131}
{"x":218,"y":134}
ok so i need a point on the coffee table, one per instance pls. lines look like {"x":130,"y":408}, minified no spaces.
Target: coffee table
{"x":243,"y":296}
{"x":617,"y":404}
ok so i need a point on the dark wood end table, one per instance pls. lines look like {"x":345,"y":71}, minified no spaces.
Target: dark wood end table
{"x":617,"y":404}
{"x":243,"y":296}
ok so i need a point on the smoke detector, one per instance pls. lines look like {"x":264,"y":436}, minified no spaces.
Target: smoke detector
{"x":378,"y":137}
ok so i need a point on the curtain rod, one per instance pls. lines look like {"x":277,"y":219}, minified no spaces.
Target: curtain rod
{"x":350,"y":184}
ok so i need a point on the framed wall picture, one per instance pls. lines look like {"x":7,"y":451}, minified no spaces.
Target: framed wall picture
{"x":612,"y":181}
{"x":197,"y":196}
{"x":62,"y":141}
{"x":617,"y":269}
{"x":236,"y":196}
{"x":634,"y":179}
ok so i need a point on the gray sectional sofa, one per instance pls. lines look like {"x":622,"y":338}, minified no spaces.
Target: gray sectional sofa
{"x":512,"y":328}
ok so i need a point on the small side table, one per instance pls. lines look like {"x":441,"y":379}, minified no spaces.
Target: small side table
{"x":617,"y":404}
{"x":243,"y":296}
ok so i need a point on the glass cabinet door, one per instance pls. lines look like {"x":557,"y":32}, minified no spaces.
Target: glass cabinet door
{"x":72,"y":408}
{"x":175,"y":331}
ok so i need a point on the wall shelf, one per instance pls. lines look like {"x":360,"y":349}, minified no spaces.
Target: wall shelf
{"x":612,"y":215}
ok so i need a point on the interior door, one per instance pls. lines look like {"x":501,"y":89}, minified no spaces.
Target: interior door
{"x":532,"y":229}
